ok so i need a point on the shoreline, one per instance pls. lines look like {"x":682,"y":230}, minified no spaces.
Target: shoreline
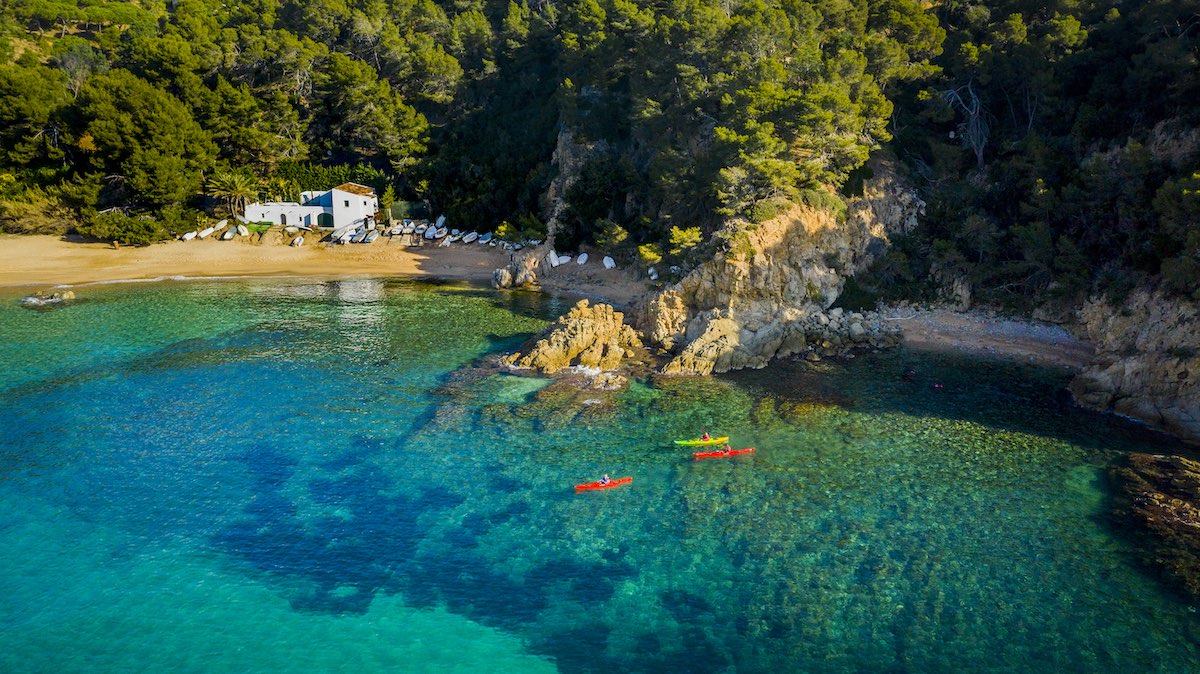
{"x":41,"y":261}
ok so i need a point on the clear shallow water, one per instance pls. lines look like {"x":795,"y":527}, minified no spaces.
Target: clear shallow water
{"x":298,"y":476}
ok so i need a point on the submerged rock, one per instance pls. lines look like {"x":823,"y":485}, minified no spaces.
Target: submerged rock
{"x":590,"y":336}
{"x":48,"y":301}
{"x":1158,"y":497}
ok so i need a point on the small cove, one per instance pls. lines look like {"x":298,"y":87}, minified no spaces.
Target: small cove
{"x":218,"y":476}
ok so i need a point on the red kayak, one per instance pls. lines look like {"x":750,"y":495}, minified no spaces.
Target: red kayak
{"x":721,"y":454}
{"x":599,"y":485}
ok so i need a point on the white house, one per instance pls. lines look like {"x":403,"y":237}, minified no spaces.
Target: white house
{"x":346,"y":205}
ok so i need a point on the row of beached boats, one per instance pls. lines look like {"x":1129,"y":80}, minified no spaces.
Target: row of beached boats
{"x":227,"y":231}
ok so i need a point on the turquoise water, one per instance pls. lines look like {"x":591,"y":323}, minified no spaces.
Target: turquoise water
{"x":290,"y":475}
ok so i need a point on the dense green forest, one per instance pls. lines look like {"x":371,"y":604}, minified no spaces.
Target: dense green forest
{"x":1055,"y":143}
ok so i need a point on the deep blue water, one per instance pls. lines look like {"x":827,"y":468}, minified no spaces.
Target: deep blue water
{"x":281,"y":475}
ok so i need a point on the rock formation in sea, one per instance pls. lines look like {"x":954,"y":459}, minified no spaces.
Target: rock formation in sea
{"x":589,"y":335}
{"x":1158,"y":498}
{"x":521,"y":271}
{"x":764,"y":293}
{"x":1147,"y":361}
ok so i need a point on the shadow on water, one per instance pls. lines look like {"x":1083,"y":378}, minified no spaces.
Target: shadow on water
{"x":993,"y":393}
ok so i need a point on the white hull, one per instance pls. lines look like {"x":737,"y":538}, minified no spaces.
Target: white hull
{"x":205,"y":232}
{"x":189,"y":236}
{"x":298,"y":241}
{"x":470,"y":237}
{"x":609,"y":263}
{"x":242,"y":230}
{"x":582,"y":259}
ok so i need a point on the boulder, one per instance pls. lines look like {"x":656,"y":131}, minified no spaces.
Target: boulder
{"x":591,"y":336}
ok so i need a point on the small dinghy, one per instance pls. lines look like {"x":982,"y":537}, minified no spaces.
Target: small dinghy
{"x":188,"y":237}
{"x":298,"y":241}
{"x":440,"y":221}
{"x":609,"y":263}
{"x":421,"y":228}
{"x":470,"y":237}
{"x":371,"y":236}
{"x":582,"y":259}
{"x":563,"y":259}
{"x":455,"y":232}
{"x":441,"y":232}
{"x":222,"y":223}
{"x":203,"y":234}
{"x":291,"y":229}
{"x":431,"y":233}
{"x":228,"y":234}
{"x":359,"y":236}
{"x":242,"y":230}
{"x":485,"y":238}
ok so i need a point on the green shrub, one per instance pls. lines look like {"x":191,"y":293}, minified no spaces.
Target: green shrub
{"x":135,"y":230}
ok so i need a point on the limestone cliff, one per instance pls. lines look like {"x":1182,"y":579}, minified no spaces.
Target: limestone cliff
{"x":1147,"y":361}
{"x":764,"y":293}
{"x":592,"y":336}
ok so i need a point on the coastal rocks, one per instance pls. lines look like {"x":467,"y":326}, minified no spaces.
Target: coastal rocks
{"x":1159,"y":498}
{"x":590,"y":336}
{"x":1147,"y":363}
{"x":773,"y":280}
{"x":521,"y":272}
{"x":42,"y":301}
{"x":717,"y":343}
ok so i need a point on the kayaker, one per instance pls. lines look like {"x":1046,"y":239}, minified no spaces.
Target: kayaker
{"x":606,"y":479}
{"x":728,"y":449}
{"x":705,"y":436}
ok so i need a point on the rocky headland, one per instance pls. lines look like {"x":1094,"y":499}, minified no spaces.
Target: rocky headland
{"x":766,"y":292}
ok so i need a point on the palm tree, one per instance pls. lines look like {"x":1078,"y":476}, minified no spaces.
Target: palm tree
{"x":235,"y":189}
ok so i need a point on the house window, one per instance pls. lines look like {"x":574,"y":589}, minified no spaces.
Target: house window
{"x":347,"y":202}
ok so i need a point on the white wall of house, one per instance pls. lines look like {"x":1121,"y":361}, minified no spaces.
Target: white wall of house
{"x":345,"y":209}
{"x":284,"y":213}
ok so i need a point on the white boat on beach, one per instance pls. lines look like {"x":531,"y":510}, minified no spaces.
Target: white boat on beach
{"x":228,"y":234}
{"x":440,"y":221}
{"x":221,"y":223}
{"x":609,"y":263}
{"x":291,"y":229}
{"x":298,"y":241}
{"x":582,"y":259}
{"x":371,"y":236}
{"x":455,"y":232}
{"x":203,"y":234}
{"x":430,"y":233}
{"x":470,"y":237}
{"x":359,"y":236}
{"x":563,"y":259}
{"x":242,"y":230}
{"x":188,"y":237}
{"x":485,"y":238}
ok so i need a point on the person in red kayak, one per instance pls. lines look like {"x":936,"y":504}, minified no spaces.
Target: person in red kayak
{"x":728,"y":450}
{"x":606,"y":479}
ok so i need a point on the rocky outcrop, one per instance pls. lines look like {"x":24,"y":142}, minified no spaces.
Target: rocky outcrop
{"x":723,"y":344}
{"x":521,"y":271}
{"x":763,"y":295}
{"x":1147,"y":363}
{"x":1158,"y":498}
{"x":888,"y":205}
{"x":591,"y":336}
